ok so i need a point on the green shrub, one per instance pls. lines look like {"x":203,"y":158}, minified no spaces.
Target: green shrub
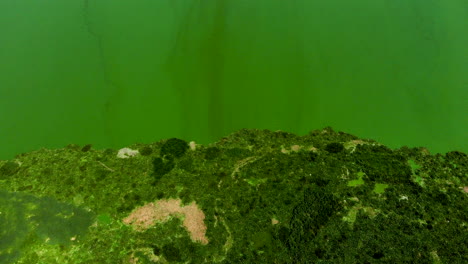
{"x":9,"y":168}
{"x":334,"y":147}
{"x":175,"y":147}
{"x":211,"y":153}
{"x":146,"y":151}
{"x":161,"y":168}
{"x":171,"y":253}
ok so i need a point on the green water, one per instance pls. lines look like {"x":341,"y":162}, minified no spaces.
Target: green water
{"x":27,"y":219}
{"x":112,"y":73}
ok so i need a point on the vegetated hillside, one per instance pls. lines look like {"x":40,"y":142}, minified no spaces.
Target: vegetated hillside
{"x":255,"y":196}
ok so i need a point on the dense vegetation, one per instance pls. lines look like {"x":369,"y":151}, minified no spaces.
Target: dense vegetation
{"x":268,"y":197}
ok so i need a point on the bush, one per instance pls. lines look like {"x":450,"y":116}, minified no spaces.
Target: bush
{"x":308,"y":218}
{"x":9,"y":168}
{"x":238,"y":153}
{"x":146,"y":151}
{"x":175,"y":147}
{"x":382,"y":165}
{"x":171,"y":253}
{"x":334,"y":147}
{"x":211,"y":153}
{"x":161,"y":168}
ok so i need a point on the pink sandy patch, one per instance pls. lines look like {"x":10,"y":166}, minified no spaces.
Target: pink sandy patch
{"x":148,"y":215}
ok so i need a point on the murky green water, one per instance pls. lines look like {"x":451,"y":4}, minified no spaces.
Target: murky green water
{"x":113,"y":73}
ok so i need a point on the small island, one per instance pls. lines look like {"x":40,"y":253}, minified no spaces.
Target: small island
{"x":255,"y":196}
